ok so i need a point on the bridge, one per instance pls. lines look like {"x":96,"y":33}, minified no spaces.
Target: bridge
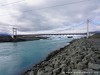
{"x":86,"y":32}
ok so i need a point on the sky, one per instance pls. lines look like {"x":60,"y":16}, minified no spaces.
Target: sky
{"x":49,"y":16}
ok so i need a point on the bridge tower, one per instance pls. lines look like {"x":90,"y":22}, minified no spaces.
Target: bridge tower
{"x":87,"y":28}
{"x":14,"y":30}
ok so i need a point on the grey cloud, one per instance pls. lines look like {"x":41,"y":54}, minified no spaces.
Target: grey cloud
{"x":39,"y":21}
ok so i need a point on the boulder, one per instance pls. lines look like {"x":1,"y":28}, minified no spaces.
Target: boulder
{"x":40,"y":72}
{"x":94,"y":66}
{"x":48,"y":69}
{"x":57,"y":71}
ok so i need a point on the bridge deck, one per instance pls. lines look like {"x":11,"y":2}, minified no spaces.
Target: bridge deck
{"x":64,"y":34}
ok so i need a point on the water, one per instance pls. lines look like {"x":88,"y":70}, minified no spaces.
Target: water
{"x":18,"y":57}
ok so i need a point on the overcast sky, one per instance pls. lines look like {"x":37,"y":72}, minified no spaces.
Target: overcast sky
{"x":29,"y":16}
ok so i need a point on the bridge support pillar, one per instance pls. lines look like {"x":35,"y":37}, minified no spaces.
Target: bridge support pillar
{"x":14,"y":32}
{"x":87,"y":28}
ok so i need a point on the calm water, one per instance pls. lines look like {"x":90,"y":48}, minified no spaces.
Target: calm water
{"x":18,"y":57}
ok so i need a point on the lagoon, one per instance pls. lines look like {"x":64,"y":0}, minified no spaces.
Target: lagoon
{"x":18,"y":57}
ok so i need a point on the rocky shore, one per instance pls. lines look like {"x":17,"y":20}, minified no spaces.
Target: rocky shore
{"x":20,"y":38}
{"x":80,"y":57}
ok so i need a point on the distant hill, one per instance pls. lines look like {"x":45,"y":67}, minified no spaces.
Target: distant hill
{"x":95,"y":32}
{"x":97,"y":35}
{"x":4,"y":34}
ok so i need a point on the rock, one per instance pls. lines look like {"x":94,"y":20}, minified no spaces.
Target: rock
{"x":80,"y":66}
{"x":48,"y":69}
{"x":62,"y":65}
{"x":90,"y":53}
{"x":59,"y":57}
{"x":94,"y":66}
{"x":57,"y":64}
{"x":84,"y":61}
{"x":97,"y":61}
{"x":64,"y":70}
{"x":40,"y":72}
{"x":57,"y":71}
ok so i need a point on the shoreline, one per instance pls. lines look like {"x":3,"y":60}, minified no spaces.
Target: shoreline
{"x":49,"y":56}
{"x":46,"y":58}
{"x":78,"y":56}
